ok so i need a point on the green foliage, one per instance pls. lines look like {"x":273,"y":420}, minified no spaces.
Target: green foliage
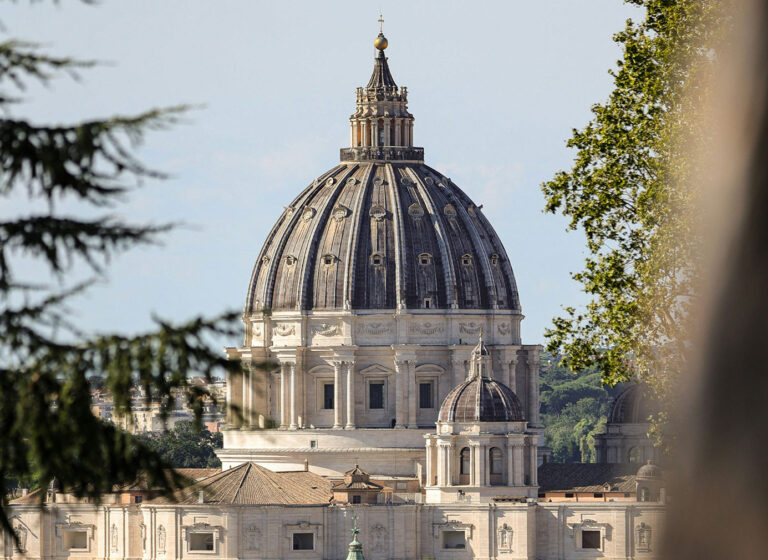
{"x":48,"y":367}
{"x":574,"y":408}
{"x":629,"y":192}
{"x":186,"y":446}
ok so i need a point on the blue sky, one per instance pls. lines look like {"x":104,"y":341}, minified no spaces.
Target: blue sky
{"x":496,"y":88}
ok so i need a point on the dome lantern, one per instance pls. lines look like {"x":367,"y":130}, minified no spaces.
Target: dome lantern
{"x":381,"y":128}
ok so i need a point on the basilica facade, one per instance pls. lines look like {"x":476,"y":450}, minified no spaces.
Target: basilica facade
{"x":386,"y":390}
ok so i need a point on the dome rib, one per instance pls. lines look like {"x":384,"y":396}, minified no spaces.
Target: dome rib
{"x":357,"y":217}
{"x":399,"y":210}
{"x":397,"y":223}
{"x":318,"y":226}
{"x":480,"y":399}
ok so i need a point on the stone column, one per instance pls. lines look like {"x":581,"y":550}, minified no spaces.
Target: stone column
{"x":512,"y":371}
{"x":374,"y":132}
{"x":400,"y":387}
{"x":484,"y":480}
{"x":398,"y":137}
{"x":534,"y":461}
{"x":294,"y":387}
{"x":387,"y":132}
{"x":366,"y":133}
{"x":412,"y":395}
{"x":533,"y":389}
{"x":519,"y":464}
{"x":337,"y":395}
{"x":230,"y":416}
{"x":350,"y":397}
{"x":246,"y":409}
{"x":283,"y":395}
{"x":510,"y":463}
{"x":474,"y":465}
{"x":459,"y":371}
{"x":428,"y":445}
{"x":410,"y":133}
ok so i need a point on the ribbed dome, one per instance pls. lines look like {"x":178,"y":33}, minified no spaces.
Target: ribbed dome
{"x":481,"y":399}
{"x":382,"y":235}
{"x":649,"y":470}
{"x":633,"y":405}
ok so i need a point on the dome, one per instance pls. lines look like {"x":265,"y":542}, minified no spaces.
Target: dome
{"x":382,"y":230}
{"x":480,"y":398}
{"x":633,"y":405}
{"x":382,"y":235}
{"x":649,"y":470}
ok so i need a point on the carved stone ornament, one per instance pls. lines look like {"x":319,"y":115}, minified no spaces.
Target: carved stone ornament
{"x":378,"y":181}
{"x":161,"y":535}
{"x":288,"y":211}
{"x":351,"y":181}
{"x":21,"y":535}
{"x":252,"y":538}
{"x":113,"y":536}
{"x":505,"y":538}
{"x":643,"y":538}
{"x":326,"y":329}
{"x":415,"y":210}
{"x":426,"y":328}
{"x":330,"y":181}
{"x":340,"y":212}
{"x":374,"y":329}
{"x":378,"y":212}
{"x":449,"y":211}
{"x":429,"y":181}
{"x":405,"y":181}
{"x":257,"y":331}
{"x":471,"y":210}
{"x":290,"y":260}
{"x":378,"y":538}
{"x":284,"y":330}
{"x":504,"y":328}
{"x":470,"y":328}
{"x":265,"y":259}
{"x":453,"y":525}
{"x":308,"y":214}
{"x":441,"y":185}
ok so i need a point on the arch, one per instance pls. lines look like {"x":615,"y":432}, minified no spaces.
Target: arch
{"x":645,"y":495}
{"x":464,"y":462}
{"x":496,"y":460}
{"x":635,"y":455}
{"x":495,"y":466}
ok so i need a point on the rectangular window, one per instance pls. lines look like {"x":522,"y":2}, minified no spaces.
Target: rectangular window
{"x":138,"y":499}
{"x":75,"y":540}
{"x":201,"y":541}
{"x":356,"y":499}
{"x":425,"y":395}
{"x":328,"y":396}
{"x":455,"y":540}
{"x":590,"y":539}
{"x":376,"y":395}
{"x":303,"y":541}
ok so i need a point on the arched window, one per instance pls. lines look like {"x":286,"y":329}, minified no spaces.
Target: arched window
{"x":464,"y":457}
{"x":635,"y":455}
{"x":495,"y":460}
{"x":645,"y":495}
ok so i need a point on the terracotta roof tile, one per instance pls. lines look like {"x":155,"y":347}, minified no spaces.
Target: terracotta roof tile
{"x":586,"y":477}
{"x":254,"y":485}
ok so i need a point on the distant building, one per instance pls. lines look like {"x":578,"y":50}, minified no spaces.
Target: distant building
{"x":403,"y":403}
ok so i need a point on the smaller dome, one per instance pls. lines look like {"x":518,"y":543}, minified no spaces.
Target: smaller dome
{"x":381,"y":42}
{"x":481,"y":399}
{"x":649,"y":470}
{"x":633,"y":405}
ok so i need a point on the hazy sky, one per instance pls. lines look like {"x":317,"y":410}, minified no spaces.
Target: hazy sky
{"x":496,"y":88}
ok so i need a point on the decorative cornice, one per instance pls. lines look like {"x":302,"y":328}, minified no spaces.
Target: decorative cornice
{"x":382,"y":153}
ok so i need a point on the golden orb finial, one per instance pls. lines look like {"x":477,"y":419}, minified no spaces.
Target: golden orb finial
{"x":381,"y":42}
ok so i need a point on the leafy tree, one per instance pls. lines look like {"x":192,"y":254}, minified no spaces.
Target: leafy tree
{"x":629,"y":192}
{"x":574,"y":409}
{"x":47,"y":365}
{"x":186,"y":446}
